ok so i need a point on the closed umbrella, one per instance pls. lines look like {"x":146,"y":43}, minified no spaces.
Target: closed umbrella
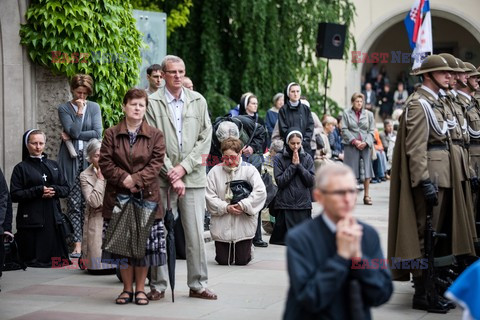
{"x":169,"y":222}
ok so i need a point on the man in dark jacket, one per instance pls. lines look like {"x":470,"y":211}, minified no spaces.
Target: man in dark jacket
{"x":331,"y":259}
{"x":296,"y":114}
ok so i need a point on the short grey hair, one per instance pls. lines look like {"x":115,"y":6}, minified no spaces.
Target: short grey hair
{"x":325,"y":174}
{"x":92,"y":147}
{"x":227,"y":129}
{"x":276,"y":97}
{"x":277,"y":145}
{"x":170,"y":58}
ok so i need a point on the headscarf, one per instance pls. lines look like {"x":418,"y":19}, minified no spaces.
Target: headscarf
{"x":289,"y":136}
{"x":292,"y":132}
{"x":287,"y":98}
{"x":244,"y":103}
{"x":25,"y":152}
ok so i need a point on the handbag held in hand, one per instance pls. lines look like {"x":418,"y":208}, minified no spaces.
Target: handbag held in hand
{"x":130,"y":225}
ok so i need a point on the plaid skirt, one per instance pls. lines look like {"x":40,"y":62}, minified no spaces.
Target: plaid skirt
{"x":155,"y":253}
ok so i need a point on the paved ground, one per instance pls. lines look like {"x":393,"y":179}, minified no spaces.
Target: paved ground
{"x":256,"y":291}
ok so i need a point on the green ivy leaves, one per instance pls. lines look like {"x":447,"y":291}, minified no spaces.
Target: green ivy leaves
{"x":96,"y":37}
{"x":231,"y":47}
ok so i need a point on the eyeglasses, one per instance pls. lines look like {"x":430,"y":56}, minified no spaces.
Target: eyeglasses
{"x":175,"y":72}
{"x":341,"y":193}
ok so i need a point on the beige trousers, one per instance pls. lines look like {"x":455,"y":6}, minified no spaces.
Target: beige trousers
{"x":192,"y":208}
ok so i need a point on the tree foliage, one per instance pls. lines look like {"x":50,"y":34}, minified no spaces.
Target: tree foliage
{"x":96,"y":37}
{"x":177,"y":11}
{"x":231,"y":47}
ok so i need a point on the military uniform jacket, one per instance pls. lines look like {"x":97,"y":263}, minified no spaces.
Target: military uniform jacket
{"x":460,"y":138}
{"x":473,"y":119}
{"x":427,"y":149}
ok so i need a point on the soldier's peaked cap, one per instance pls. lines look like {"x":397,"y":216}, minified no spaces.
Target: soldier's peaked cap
{"x":472,"y":71}
{"x":452,"y":62}
{"x":433,"y":63}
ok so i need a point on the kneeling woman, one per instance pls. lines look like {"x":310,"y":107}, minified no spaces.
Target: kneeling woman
{"x":233,"y":226}
{"x":295,"y":176}
{"x":131,"y":157}
{"x":37,"y":184}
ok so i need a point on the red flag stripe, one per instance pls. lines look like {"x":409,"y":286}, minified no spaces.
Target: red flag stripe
{"x":418,"y":21}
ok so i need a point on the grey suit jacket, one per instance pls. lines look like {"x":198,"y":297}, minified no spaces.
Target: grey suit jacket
{"x":351,"y":129}
{"x":73,"y":126}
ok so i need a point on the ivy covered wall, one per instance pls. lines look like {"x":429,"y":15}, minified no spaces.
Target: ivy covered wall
{"x":96,"y":37}
{"x":231,"y":47}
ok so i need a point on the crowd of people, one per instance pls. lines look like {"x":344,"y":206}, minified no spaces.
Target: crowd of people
{"x":166,"y":147}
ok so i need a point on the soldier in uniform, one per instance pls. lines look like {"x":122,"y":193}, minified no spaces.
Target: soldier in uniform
{"x":466,"y":88}
{"x":460,"y":161}
{"x":421,"y":166}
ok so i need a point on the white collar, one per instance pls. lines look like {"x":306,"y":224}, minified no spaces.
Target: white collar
{"x":170,"y":96}
{"x":430,"y":91}
{"x":469,"y":97}
{"x":454,"y":92}
{"x":330,"y":224}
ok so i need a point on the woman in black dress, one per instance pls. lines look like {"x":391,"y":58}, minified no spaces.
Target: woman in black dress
{"x":37,"y":184}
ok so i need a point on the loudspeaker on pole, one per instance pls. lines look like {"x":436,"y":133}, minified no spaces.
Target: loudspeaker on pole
{"x":330,"y":40}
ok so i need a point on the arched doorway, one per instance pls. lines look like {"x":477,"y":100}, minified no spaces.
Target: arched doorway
{"x":452,"y":33}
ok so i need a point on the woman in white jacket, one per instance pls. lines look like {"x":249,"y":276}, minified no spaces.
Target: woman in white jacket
{"x":233,"y":226}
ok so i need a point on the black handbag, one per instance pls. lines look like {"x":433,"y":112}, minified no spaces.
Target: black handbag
{"x":12,"y":259}
{"x":241,"y":189}
{"x":271,"y":188}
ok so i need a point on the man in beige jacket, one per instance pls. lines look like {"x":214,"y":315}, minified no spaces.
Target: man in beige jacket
{"x":182,"y":115}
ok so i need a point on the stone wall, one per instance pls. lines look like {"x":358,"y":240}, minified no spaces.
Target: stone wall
{"x":52,"y":90}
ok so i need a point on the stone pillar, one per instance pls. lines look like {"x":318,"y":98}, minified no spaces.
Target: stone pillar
{"x":51,"y":91}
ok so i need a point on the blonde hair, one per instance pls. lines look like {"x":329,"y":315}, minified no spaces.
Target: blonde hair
{"x":357,"y":95}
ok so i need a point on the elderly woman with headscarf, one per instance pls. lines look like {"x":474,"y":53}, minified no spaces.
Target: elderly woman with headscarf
{"x":295,"y":177}
{"x":36,"y":185}
{"x":295,"y":114}
{"x":358,"y":127}
{"x":93,"y":185}
{"x":233,"y":223}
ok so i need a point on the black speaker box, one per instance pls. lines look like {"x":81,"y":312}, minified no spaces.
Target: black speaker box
{"x":330,"y":40}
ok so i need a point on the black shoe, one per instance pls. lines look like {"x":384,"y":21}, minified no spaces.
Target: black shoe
{"x":421,"y":303}
{"x":260,"y":243}
{"x":449,"y":304}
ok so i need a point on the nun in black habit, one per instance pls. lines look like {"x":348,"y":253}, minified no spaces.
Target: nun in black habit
{"x":36,"y":185}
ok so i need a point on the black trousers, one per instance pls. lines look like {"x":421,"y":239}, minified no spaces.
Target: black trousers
{"x":239,"y":253}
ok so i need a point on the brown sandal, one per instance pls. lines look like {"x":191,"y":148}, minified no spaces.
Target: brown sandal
{"x":367,"y":200}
